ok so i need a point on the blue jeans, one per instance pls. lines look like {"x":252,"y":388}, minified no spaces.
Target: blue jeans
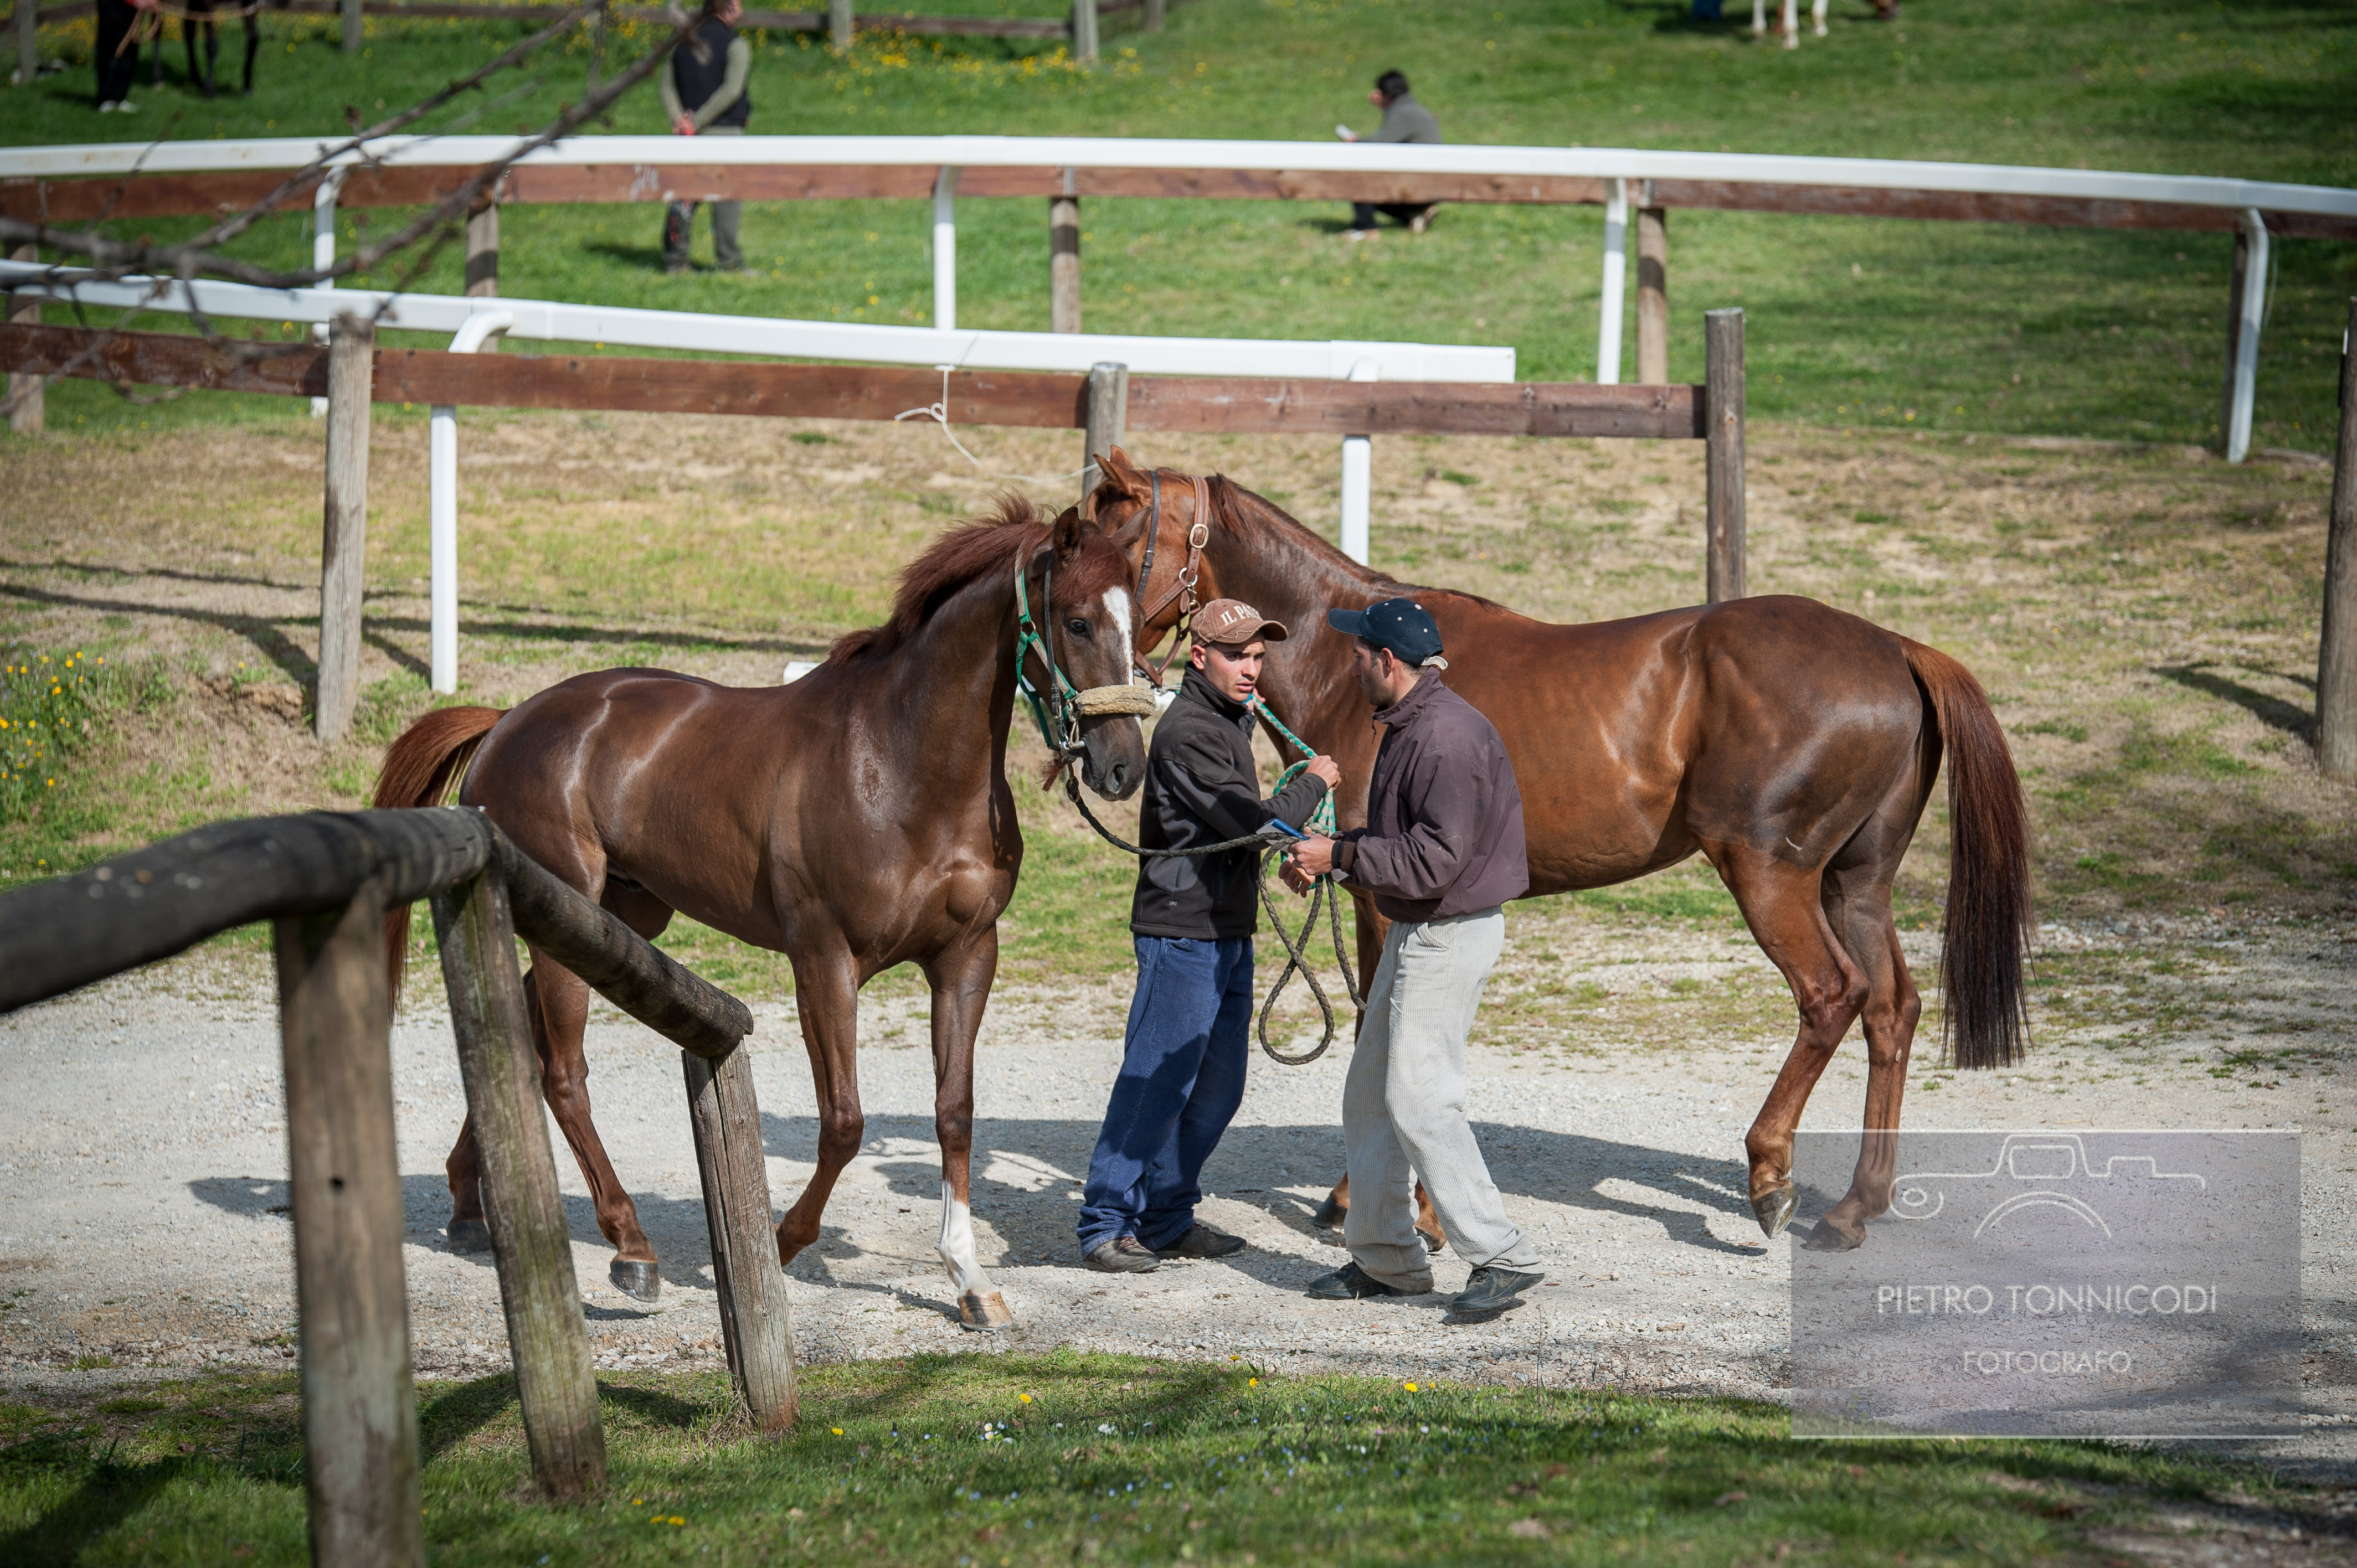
{"x":1182,"y":1077}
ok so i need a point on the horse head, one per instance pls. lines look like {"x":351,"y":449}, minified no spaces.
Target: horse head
{"x":1162,"y":520}
{"x":1084,"y":614}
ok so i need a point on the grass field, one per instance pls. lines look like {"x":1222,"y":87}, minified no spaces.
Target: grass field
{"x":1006,"y":1459}
{"x":1852,"y":322}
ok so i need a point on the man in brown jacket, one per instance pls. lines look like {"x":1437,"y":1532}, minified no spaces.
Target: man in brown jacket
{"x":1441,"y":851}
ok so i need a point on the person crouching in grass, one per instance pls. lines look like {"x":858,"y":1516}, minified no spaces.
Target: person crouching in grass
{"x":1182,"y":1071}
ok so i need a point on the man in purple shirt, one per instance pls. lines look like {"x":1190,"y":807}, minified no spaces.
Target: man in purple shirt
{"x":1441,"y":851}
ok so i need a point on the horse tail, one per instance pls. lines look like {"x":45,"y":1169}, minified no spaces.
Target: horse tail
{"x":419,"y":769}
{"x":1983,"y":950}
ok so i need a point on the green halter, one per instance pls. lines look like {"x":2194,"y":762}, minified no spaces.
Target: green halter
{"x":1060,"y":708}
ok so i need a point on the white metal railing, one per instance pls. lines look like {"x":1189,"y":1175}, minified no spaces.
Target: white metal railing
{"x":1615,"y":165}
{"x":473,"y":318}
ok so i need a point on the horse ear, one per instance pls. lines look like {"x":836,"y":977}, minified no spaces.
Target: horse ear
{"x":1119,"y":471}
{"x":1065,"y":535}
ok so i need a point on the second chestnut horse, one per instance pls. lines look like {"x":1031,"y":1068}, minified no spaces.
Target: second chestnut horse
{"x":1792,"y":745}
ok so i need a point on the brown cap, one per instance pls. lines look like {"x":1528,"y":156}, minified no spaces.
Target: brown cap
{"x":1231,"y":623}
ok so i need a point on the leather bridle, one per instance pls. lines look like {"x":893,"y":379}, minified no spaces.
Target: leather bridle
{"x":1199,"y":535}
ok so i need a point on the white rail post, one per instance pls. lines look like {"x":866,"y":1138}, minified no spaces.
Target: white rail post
{"x":1358,"y":477}
{"x":2250,"y":310}
{"x":1616,"y":280}
{"x":442,"y":507}
{"x":1085,"y":31}
{"x":945,"y":249}
{"x":28,"y":48}
{"x":323,"y":255}
{"x":840,"y":25}
{"x":30,"y":416}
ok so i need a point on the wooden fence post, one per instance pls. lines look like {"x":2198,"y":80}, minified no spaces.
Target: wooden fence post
{"x":360,"y":1406}
{"x":1154,"y":15}
{"x":1723,"y":398}
{"x":2336,"y":662}
{"x":839,"y":24}
{"x":1652,"y":295}
{"x":1108,"y":416}
{"x":1085,"y":31}
{"x":30,"y":416}
{"x":483,"y":258}
{"x":555,"y":1382}
{"x":352,"y":362}
{"x":1064,"y":260}
{"x":754,"y":1320}
{"x":351,"y":9}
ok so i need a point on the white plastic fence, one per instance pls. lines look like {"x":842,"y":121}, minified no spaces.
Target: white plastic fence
{"x":471,"y":319}
{"x":1617,"y":165}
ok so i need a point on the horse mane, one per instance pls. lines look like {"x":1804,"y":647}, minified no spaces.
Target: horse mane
{"x":1236,"y":509}
{"x":1012,"y":528}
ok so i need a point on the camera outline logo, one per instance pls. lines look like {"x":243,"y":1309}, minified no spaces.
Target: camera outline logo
{"x":2025,"y":1160}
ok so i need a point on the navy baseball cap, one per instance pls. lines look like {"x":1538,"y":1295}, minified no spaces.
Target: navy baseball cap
{"x":1400,"y":625}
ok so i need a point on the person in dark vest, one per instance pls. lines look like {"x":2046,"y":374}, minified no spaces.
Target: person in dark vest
{"x":1404,"y":119}
{"x":1182,"y":1068}
{"x":703,"y":95}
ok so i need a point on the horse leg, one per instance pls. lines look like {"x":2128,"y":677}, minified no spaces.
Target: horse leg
{"x":469,"y":1232}
{"x":826,"y":994}
{"x":187,"y":41}
{"x":557,"y":1001}
{"x":1817,"y":13}
{"x":1792,"y":21}
{"x":1759,"y":17}
{"x":1858,"y":906}
{"x":1782,"y":903}
{"x":253,"y":46}
{"x":960,"y":980}
{"x":212,"y":55}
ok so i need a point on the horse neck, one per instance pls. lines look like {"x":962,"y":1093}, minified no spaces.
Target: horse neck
{"x":1263,"y":562}
{"x":951,"y":691}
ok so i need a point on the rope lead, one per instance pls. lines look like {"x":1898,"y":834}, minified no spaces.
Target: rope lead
{"x":1321,"y":893}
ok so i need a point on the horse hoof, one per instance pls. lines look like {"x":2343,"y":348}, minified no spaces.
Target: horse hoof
{"x":1330,"y":1215}
{"x":984,"y":1312}
{"x":1433,"y":1241}
{"x":1774,"y":1208}
{"x":642,"y":1280}
{"x":469,"y":1236}
{"x":1824,"y":1238}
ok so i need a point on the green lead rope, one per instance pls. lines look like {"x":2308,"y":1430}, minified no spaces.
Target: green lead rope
{"x":1322,"y":894}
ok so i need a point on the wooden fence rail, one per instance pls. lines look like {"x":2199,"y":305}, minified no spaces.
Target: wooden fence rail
{"x":326,"y":880}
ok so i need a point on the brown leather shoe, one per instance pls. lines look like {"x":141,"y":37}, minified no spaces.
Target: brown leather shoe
{"x":1123,"y":1255}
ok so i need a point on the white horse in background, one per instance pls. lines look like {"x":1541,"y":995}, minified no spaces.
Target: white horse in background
{"x":1791,"y":25}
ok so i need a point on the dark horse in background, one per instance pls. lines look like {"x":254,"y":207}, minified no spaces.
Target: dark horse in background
{"x":202,"y":15}
{"x":858,"y":818}
{"x":1791,"y":743}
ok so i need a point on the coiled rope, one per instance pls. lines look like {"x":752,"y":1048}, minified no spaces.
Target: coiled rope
{"x":1271,"y":841}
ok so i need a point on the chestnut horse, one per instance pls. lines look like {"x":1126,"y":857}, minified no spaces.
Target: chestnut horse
{"x":1791,"y":743}
{"x":854,"y":819}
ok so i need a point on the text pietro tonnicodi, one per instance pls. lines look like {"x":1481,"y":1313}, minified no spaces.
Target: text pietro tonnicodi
{"x":2045,"y":1301}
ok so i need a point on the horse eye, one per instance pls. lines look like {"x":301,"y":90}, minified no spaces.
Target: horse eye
{"x":1077,"y":626}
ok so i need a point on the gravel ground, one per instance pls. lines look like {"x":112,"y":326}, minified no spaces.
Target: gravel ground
{"x":142,"y":1158}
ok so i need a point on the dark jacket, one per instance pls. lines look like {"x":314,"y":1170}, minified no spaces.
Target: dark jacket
{"x":701,"y":70}
{"x":1201,"y":787}
{"x":1444,"y":834}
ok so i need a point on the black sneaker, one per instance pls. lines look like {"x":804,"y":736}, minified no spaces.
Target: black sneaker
{"x":1201,"y":1242}
{"x":1492,"y":1291}
{"x":1350,"y":1282}
{"x":1123,"y":1255}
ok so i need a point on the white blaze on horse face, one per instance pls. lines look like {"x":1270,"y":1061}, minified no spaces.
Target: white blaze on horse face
{"x":1117,"y":605}
{"x":956,"y":1245}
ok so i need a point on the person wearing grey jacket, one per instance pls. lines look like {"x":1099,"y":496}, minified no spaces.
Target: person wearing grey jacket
{"x":1404,"y":119}
{"x":1442,"y":849}
{"x":703,"y":95}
